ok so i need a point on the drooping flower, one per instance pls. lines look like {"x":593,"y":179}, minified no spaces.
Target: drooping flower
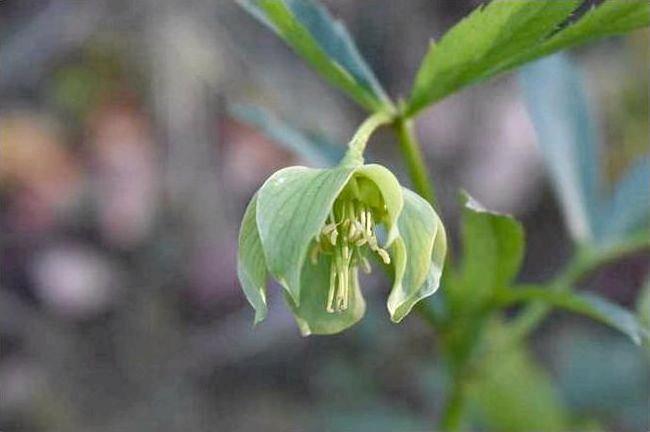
{"x":314,"y":230}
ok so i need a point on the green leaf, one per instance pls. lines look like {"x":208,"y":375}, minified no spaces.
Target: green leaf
{"x":643,"y":303}
{"x":311,"y":314}
{"x":612,"y":17}
{"x":587,"y":304}
{"x":317,"y":153}
{"x":419,"y":255}
{"x":506,"y":34}
{"x":292,"y":207}
{"x":251,"y":266}
{"x":512,"y":393}
{"x":324,"y":43}
{"x":629,"y":206}
{"x":478,"y":44}
{"x":568,"y":140}
{"x":493,"y":246}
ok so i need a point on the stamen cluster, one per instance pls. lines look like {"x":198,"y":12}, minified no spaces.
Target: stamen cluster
{"x":347,"y":236}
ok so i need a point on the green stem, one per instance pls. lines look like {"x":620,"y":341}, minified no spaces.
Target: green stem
{"x":418,"y":173}
{"x":584,"y":263}
{"x":452,"y":417}
{"x":412,"y":153}
{"x":357,"y":144}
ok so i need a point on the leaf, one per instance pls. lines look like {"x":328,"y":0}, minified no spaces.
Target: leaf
{"x":643,"y":303}
{"x":590,"y":305}
{"x":506,"y":34}
{"x":612,"y":17}
{"x":488,"y":37}
{"x":317,"y":153}
{"x":608,"y":313}
{"x":311,"y":315}
{"x":419,"y":255}
{"x":493,"y":246}
{"x":513,"y":393}
{"x":292,"y":206}
{"x":629,"y":207}
{"x":604,"y":374}
{"x":324,"y":43}
{"x":567,"y":138}
{"x":251,"y":266}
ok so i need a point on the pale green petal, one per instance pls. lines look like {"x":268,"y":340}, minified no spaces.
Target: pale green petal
{"x":418,"y":254}
{"x":293,"y":205}
{"x":251,"y":266}
{"x":391,"y":192}
{"x":311,"y":315}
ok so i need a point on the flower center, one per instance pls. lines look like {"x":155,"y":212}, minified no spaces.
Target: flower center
{"x":347,"y":236}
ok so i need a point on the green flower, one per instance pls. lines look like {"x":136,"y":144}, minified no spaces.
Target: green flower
{"x":314,"y":230}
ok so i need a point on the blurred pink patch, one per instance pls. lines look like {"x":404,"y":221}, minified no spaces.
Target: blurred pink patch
{"x":125,"y":175}
{"x":74,"y":281}
{"x":40,"y":175}
{"x":250,"y":157}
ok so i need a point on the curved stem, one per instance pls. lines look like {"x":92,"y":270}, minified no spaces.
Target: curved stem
{"x":417,"y":169}
{"x":357,"y":144}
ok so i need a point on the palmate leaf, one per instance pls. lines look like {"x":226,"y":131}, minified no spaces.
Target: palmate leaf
{"x":324,"y":43}
{"x":506,"y":33}
{"x":493,"y":246}
{"x":567,"y":138}
{"x":629,"y":207}
{"x":590,"y":305}
{"x":570,"y":145}
{"x":613,"y":17}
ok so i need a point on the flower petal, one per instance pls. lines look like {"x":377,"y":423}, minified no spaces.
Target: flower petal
{"x":419,"y":255}
{"x":292,"y":206}
{"x":311,"y":315}
{"x":391,"y":192}
{"x":251,"y":266}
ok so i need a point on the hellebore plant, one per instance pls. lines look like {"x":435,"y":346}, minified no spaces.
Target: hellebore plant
{"x":312,"y":230}
{"x":316,"y":231}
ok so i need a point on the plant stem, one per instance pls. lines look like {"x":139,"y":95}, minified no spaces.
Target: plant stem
{"x":584,"y":263}
{"x":453,"y":412}
{"x":357,"y":144}
{"x":412,"y":153}
{"x":419,"y":174}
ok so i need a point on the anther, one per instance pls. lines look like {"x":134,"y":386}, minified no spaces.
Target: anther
{"x":383,"y":255}
{"x":352,"y":231}
{"x":327,"y":229}
{"x":333,"y":236}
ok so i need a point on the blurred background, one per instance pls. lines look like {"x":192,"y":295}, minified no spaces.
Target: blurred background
{"x":123,"y":177}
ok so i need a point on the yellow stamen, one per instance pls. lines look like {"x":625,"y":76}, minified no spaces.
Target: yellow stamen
{"x":383,"y":255}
